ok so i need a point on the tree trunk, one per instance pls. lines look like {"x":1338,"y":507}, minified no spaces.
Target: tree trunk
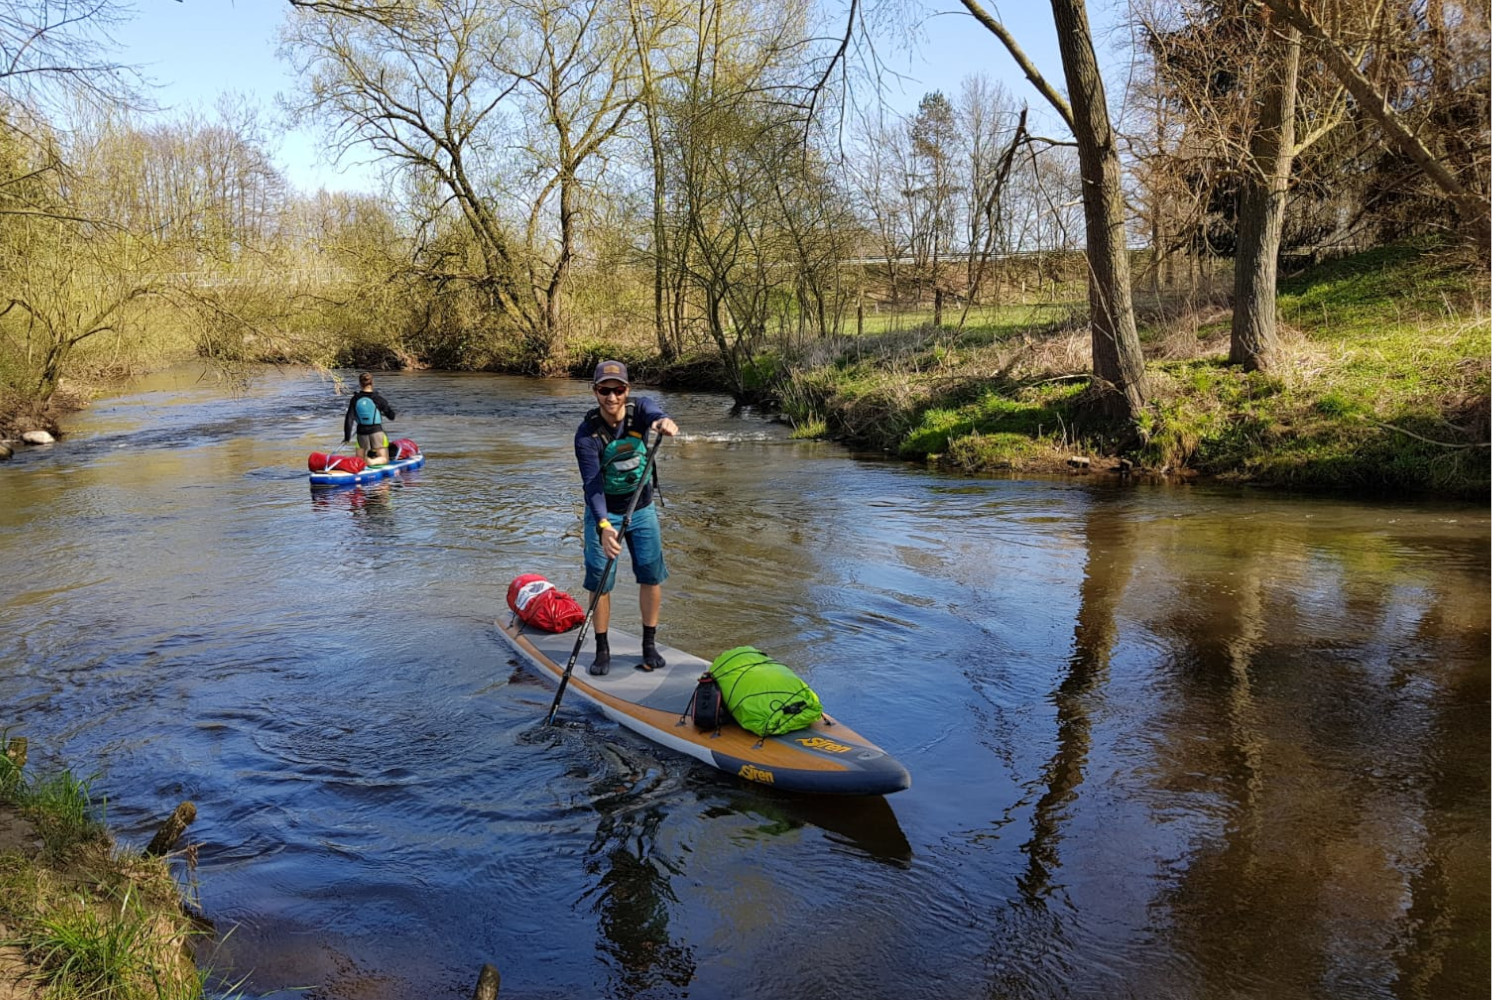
{"x":658,"y":187}
{"x":1253,"y":341}
{"x":1118,"y":363}
{"x":552,"y":318}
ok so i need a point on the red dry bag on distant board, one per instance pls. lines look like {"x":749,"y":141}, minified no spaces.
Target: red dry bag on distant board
{"x":405,"y":448}
{"x":319,"y":462}
{"x":537,"y":603}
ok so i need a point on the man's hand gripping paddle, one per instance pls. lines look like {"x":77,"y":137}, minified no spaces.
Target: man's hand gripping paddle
{"x":608,"y":567}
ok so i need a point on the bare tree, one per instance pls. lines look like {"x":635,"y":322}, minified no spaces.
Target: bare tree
{"x":1119,"y":367}
{"x":933,"y":191}
{"x":744,"y":179}
{"x":1253,"y":340}
{"x":55,"y":49}
{"x":984,"y":108}
{"x":415,"y":85}
{"x":67,"y":280}
{"x":579,"y":86}
{"x":875,"y":166}
{"x":1236,"y":82}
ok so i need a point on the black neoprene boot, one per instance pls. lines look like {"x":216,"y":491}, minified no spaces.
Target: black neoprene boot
{"x":650,"y":658}
{"x":600,"y":666}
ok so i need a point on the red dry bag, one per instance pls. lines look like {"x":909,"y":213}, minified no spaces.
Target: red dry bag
{"x":537,"y":603}
{"x":405,"y":448}
{"x":319,"y":462}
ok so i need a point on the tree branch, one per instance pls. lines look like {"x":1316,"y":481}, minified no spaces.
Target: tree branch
{"x":1291,"y":12}
{"x":1033,"y":74}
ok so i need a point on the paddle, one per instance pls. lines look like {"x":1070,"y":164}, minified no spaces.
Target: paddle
{"x":562,"y":685}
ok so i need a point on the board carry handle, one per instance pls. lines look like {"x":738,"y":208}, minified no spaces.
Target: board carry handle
{"x":594,"y":597}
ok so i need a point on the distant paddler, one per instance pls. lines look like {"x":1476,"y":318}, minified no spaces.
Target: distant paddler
{"x":363,"y":416}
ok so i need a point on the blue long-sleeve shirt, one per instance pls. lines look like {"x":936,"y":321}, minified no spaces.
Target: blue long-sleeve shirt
{"x":590,"y":454}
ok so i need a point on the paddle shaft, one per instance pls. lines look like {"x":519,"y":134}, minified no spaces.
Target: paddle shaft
{"x":594,"y":598}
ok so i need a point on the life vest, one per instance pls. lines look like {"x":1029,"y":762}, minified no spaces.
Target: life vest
{"x":622,"y":459}
{"x":366,"y":412}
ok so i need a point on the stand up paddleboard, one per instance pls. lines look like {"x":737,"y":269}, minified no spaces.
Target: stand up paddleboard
{"x":325,"y":470}
{"x":827,"y":757}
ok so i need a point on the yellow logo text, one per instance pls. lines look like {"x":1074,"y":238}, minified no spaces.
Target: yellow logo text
{"x":819,"y":743}
{"x":756,"y":774}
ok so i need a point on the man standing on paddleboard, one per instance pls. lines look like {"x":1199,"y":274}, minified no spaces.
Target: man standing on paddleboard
{"x":363,"y":415}
{"x":611,"y":449}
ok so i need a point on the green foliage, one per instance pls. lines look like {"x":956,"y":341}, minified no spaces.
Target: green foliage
{"x":1044,"y":414}
{"x":999,"y":451}
{"x":760,"y":373}
{"x":59,"y":805}
{"x":88,"y":954}
{"x":1334,"y":404}
{"x":12,"y":781}
{"x":809,"y":430}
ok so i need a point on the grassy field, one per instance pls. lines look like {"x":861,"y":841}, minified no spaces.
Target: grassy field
{"x":1385,"y":385}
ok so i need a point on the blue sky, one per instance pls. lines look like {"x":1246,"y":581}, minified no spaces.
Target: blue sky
{"x":198,"y":49}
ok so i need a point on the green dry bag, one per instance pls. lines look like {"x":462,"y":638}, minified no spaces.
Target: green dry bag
{"x":764,"y":696}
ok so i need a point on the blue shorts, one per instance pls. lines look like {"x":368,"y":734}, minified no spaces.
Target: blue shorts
{"x":644,"y":542}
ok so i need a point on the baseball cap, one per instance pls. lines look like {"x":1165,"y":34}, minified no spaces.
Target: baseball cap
{"x":606,"y":370}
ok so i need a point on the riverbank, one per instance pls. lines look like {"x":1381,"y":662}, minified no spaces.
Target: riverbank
{"x":1384,"y":386}
{"x":79,"y":915}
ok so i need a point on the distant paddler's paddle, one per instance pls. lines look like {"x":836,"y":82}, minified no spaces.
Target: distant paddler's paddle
{"x":588,"y":616}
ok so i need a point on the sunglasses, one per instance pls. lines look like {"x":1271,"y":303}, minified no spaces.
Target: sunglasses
{"x":605,"y":390}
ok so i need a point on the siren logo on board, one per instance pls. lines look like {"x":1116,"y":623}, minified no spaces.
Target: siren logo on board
{"x":819,"y":743}
{"x":756,"y":774}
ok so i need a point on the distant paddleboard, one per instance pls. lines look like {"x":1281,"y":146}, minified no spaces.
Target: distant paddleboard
{"x":828,"y":757}
{"x":352,"y":470}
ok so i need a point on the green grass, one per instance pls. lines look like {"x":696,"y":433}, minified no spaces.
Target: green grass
{"x":982,"y":321}
{"x":92,"y":921}
{"x":1384,"y":385}
{"x":1387,"y":387}
{"x":1361,"y":294}
{"x":63,"y":810}
{"x":82,"y":951}
{"x":59,"y":805}
{"x":1043,"y":415}
{"x":811,"y":430}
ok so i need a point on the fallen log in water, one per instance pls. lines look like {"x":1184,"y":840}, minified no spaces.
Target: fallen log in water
{"x":171,"y":828}
{"x":488,"y":987}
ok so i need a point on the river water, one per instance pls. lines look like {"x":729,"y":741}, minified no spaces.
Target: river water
{"x":1165,"y":741}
